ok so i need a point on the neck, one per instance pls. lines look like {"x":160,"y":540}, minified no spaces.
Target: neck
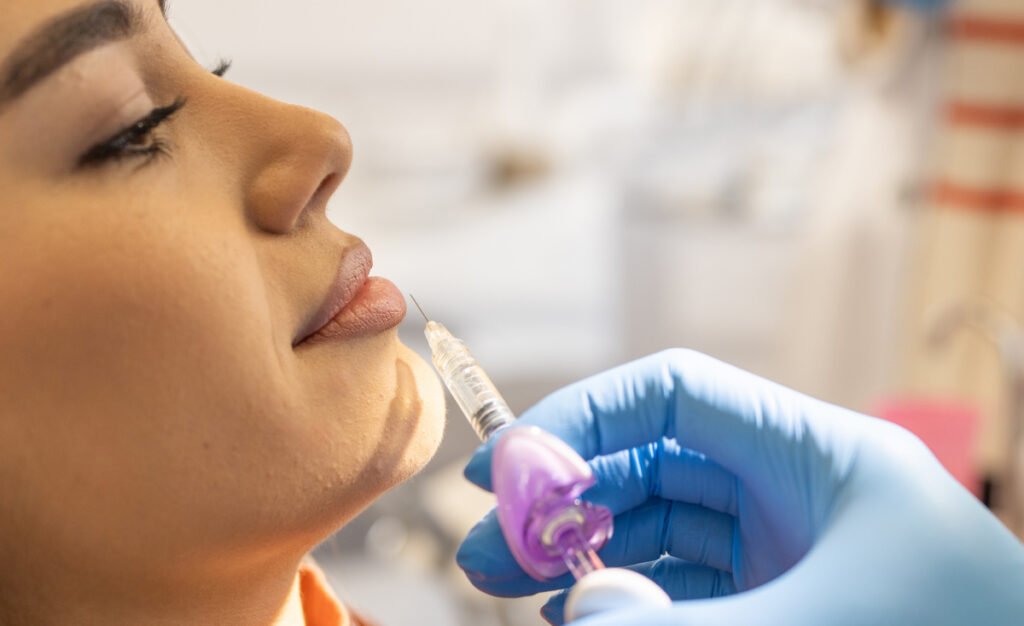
{"x":272,"y":598}
{"x":291,"y":613}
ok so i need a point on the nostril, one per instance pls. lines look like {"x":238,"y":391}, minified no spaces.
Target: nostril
{"x":285,"y":199}
{"x":318,"y":201}
{"x":336,"y":157}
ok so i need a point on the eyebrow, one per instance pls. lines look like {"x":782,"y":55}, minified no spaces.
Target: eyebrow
{"x":65,"y":37}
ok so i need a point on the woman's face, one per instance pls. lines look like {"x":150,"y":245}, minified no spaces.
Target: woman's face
{"x":164,"y":253}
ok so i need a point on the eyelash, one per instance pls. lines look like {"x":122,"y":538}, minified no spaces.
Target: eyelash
{"x":222,"y":67}
{"x":138,"y":141}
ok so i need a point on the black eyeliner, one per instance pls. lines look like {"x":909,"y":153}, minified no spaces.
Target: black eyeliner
{"x":125,"y":144}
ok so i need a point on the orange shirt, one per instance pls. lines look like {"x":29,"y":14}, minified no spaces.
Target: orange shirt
{"x":320,"y":606}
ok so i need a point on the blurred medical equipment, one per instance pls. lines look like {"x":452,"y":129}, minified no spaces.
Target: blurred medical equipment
{"x":969,"y":243}
{"x":948,"y":426}
{"x":538,"y":481}
{"x":1006,"y":335}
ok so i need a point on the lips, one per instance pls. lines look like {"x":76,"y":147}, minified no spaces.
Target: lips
{"x":356,"y":305}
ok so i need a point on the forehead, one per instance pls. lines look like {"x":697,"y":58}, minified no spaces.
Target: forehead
{"x":22,"y":17}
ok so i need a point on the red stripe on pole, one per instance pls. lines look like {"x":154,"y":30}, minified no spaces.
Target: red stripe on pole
{"x":991,"y":200}
{"x":987,"y":29}
{"x":984,"y":115}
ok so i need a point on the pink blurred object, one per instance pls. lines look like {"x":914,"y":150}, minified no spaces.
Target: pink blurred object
{"x":948,"y":427}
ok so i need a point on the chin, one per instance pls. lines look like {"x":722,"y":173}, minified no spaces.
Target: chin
{"x":412,"y":430}
{"x":425,"y":412}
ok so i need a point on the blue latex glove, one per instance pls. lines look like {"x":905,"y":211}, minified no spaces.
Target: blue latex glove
{"x":724,"y":483}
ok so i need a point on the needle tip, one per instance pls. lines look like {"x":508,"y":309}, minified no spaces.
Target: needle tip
{"x":425,"y":318}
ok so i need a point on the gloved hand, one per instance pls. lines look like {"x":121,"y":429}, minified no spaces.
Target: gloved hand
{"x":784,"y":509}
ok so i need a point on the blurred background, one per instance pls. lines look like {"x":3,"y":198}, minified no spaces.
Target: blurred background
{"x":826,"y":192}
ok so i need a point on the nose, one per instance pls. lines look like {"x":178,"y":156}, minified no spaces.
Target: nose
{"x":298,"y":159}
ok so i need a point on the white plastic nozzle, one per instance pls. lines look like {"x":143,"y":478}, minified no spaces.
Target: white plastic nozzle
{"x":613,"y":589}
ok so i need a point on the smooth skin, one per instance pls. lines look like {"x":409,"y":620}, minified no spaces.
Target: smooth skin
{"x":167,"y":455}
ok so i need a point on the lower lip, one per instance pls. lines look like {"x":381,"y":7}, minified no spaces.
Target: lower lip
{"x":377,"y":306}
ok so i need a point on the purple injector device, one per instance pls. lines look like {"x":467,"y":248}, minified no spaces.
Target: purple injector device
{"x":538,"y":481}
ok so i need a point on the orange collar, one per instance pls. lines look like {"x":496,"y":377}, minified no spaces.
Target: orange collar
{"x":320,"y":606}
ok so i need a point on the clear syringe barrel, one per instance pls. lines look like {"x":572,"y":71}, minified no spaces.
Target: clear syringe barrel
{"x":472,"y":389}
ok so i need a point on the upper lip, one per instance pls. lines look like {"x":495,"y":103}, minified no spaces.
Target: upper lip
{"x":352,"y":272}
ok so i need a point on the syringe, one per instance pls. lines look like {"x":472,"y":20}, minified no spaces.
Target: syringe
{"x":471,"y":387}
{"x":538,"y":480}
{"x":560,"y":523}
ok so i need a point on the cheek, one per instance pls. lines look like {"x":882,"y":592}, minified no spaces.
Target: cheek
{"x":151,"y":397}
{"x":131,"y":370}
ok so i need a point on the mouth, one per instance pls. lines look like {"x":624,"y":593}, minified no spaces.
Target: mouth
{"x":356,"y":304}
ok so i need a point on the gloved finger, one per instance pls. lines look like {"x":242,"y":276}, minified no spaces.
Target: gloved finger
{"x":680,"y":579}
{"x":687,"y":531}
{"x":664,"y":469}
{"x":553,"y":610}
{"x":489,"y":565}
{"x":683,"y":580}
{"x":744,"y":423}
{"x":659,"y":526}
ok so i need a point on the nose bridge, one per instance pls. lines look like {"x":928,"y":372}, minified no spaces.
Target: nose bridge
{"x":295,"y":157}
